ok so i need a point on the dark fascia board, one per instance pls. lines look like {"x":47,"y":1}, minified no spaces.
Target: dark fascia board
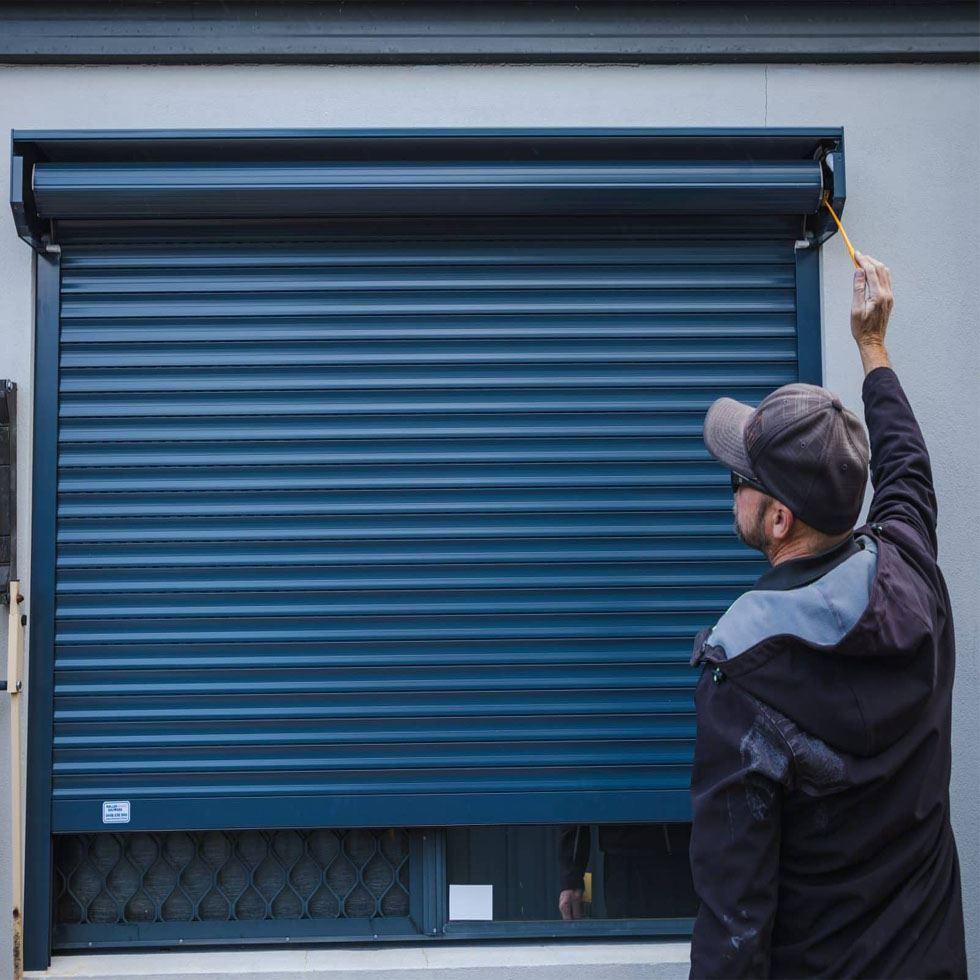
{"x":489,"y":31}
{"x":126,"y":145}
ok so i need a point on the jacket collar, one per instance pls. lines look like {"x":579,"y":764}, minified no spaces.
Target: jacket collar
{"x":802,"y":571}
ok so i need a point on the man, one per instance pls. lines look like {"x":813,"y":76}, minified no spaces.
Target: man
{"x":644,"y":870}
{"x":821,"y":844}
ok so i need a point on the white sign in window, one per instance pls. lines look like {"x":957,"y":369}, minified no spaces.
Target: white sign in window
{"x":471,"y":902}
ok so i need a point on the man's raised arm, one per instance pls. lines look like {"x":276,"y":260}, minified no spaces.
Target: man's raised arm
{"x":900,"y":470}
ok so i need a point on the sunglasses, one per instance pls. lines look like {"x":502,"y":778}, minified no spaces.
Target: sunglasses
{"x":740,"y":481}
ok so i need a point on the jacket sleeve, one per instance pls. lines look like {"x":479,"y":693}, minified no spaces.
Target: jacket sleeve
{"x":574,"y":845}
{"x":742,"y":766}
{"x":900,"y":469}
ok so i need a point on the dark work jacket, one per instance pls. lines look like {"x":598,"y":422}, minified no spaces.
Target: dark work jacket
{"x":821,"y":844}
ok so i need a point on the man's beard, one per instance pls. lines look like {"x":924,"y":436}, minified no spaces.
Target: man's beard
{"x":753,"y":534}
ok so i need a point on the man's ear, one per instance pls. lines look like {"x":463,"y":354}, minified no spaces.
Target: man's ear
{"x":781,"y":521}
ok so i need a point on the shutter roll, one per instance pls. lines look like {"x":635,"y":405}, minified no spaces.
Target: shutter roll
{"x":325,"y":189}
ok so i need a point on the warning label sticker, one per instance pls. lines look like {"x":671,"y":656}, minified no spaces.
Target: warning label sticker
{"x":115,"y":811}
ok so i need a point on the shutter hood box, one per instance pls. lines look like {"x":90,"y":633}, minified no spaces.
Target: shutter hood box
{"x":60,"y":179}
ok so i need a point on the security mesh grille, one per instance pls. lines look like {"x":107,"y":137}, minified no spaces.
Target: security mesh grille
{"x":223,"y":876}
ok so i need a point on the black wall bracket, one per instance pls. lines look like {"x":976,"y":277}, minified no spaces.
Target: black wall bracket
{"x":8,"y":484}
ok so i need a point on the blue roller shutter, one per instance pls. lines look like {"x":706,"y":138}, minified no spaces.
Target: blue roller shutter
{"x":414,"y":530}
{"x":401,"y":521}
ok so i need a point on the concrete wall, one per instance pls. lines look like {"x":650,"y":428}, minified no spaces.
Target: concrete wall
{"x":913,"y":150}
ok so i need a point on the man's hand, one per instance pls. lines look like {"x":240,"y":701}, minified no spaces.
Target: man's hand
{"x":570,"y":903}
{"x":871,"y":306}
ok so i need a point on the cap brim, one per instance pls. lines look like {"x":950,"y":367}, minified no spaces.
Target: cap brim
{"x":724,"y":435}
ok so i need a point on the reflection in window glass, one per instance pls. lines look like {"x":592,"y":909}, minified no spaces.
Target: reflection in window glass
{"x":637,"y":871}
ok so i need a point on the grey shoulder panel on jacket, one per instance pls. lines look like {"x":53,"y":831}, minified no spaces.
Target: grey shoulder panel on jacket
{"x":821,"y":613}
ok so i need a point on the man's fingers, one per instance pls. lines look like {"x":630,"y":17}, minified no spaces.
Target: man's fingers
{"x":870,"y":307}
{"x":874,"y":283}
{"x":867,"y":262}
{"x":884,"y":278}
{"x":867,"y":265}
{"x":870,"y":262}
{"x":876,"y":274}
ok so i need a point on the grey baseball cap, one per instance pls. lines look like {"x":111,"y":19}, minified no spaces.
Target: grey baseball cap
{"x":801,"y":446}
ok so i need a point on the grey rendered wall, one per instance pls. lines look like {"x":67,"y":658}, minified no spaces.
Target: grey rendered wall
{"x":913,"y":150}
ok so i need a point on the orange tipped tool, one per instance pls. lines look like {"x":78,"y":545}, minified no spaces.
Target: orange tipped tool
{"x":847,"y":241}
